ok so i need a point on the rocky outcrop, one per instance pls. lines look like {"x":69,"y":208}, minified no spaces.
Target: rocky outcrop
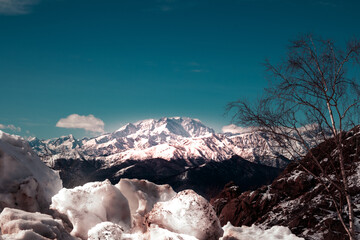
{"x":296,"y":199}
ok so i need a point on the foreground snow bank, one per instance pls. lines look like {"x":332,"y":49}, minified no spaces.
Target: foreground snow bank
{"x":18,"y":224}
{"x":140,"y":210}
{"x":25,"y":181}
{"x":255,"y":233}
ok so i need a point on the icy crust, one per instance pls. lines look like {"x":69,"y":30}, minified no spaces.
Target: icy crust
{"x":18,"y":224}
{"x":255,"y":232}
{"x":189,"y":213}
{"x":90,"y":204}
{"x":25,"y":181}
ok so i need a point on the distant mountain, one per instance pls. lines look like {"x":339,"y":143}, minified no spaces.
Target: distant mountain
{"x":182,"y":152}
{"x":165,"y":138}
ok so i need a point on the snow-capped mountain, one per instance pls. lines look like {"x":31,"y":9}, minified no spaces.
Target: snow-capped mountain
{"x":166,"y":138}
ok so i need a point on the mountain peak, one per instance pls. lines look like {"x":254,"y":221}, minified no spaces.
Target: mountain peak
{"x":175,"y":126}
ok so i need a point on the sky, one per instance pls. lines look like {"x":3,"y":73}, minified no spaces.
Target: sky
{"x":85,"y":67}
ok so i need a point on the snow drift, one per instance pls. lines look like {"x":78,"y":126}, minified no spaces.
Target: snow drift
{"x":25,"y":181}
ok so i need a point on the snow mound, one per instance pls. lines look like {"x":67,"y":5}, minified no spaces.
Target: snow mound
{"x":254,"y":233}
{"x":189,"y":213}
{"x":91,"y":204}
{"x":25,"y":181}
{"x":18,"y":224}
{"x":105,"y":231}
{"x":142,"y":195}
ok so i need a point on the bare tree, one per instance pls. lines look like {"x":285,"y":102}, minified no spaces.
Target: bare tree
{"x":313,"y":86}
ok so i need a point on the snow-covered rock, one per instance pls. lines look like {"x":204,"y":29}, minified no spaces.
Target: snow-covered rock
{"x":255,"y":232}
{"x":188,"y":213}
{"x":25,"y":181}
{"x":18,"y":224}
{"x":88,"y":205}
{"x":142,"y":195}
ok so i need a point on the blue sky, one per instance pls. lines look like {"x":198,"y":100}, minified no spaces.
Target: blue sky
{"x":116,"y":61}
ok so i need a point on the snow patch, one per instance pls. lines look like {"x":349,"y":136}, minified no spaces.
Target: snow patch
{"x":255,"y":232}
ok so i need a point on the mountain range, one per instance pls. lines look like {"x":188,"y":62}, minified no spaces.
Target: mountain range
{"x":179,"y":151}
{"x":165,"y":138}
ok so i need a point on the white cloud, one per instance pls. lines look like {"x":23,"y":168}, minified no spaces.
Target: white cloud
{"x":16,"y":7}
{"x":232,"y":128}
{"x":11,"y":127}
{"x":89,"y":123}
